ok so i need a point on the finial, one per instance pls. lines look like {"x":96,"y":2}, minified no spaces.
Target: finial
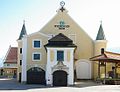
{"x":23,"y":21}
{"x":62,"y":3}
{"x":101,"y":22}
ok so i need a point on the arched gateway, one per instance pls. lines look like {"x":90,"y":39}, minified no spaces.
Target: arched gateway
{"x":35,"y":75}
{"x":60,"y":78}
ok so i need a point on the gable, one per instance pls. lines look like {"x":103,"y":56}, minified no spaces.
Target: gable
{"x":72,"y":30}
{"x":52,"y":27}
{"x":11,"y":56}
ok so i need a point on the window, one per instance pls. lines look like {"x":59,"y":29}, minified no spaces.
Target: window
{"x":8,"y":64}
{"x":36,"y":56}
{"x":60,"y":55}
{"x":20,"y":50}
{"x":20,"y":62}
{"x":36,"y":44}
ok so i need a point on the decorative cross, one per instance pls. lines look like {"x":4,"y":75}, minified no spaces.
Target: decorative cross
{"x":62,"y":9}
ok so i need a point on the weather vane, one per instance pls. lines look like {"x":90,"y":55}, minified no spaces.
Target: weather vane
{"x":62,"y":3}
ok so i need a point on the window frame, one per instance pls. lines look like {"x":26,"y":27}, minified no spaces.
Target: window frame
{"x":20,"y":62}
{"x":20,"y":50}
{"x":34,"y":41}
{"x":37,"y":59}
{"x":63,"y":56}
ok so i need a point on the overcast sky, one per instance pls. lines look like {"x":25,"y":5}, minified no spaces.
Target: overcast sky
{"x":36,"y":13}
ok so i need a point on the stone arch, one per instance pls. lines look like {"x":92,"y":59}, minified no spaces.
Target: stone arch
{"x":36,"y":75}
{"x":60,"y":78}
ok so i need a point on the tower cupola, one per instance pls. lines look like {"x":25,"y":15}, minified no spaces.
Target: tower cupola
{"x":23,"y":31}
{"x":100,"y":35}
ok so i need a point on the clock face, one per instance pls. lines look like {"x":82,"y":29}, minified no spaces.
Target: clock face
{"x":62,"y":3}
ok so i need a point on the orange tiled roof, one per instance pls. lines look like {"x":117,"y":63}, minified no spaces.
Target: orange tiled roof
{"x":11,"y":56}
{"x":113,"y":55}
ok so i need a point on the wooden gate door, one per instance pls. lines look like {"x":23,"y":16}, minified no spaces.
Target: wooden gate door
{"x":36,"y":75}
{"x":59,"y":78}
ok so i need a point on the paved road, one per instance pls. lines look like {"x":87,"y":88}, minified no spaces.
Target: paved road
{"x":12,"y":85}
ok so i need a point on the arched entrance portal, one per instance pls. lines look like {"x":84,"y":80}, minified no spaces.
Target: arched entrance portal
{"x":36,"y":75}
{"x":59,"y":78}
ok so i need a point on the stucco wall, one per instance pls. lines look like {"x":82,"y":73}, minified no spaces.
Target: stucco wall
{"x":19,"y":58}
{"x":30,"y":50}
{"x":82,"y":40}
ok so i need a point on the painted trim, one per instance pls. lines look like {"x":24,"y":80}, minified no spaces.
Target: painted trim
{"x":37,"y":33}
{"x":36,"y":53}
{"x":57,"y":48}
{"x":50,"y":36}
{"x":36,"y":40}
{"x":100,"y":41}
{"x":63,"y":54}
{"x":24,"y":60}
{"x":19,"y":40}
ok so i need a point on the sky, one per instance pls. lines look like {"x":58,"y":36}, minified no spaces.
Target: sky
{"x":36,"y":13}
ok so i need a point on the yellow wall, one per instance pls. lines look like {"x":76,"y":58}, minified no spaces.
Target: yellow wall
{"x":98,"y":45}
{"x":83,"y":41}
{"x":31,"y":49}
{"x":52,"y":55}
{"x":68,"y":55}
{"x":85,"y":45}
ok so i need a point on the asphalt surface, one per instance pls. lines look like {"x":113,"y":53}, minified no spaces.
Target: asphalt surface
{"x":12,"y":85}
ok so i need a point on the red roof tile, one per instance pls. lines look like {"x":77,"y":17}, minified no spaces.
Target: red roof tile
{"x":11,"y":56}
{"x":107,"y":56}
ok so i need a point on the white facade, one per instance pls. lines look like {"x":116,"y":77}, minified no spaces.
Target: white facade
{"x":24,"y":61}
{"x":67,"y":66}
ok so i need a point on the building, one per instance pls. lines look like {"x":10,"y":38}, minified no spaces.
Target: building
{"x":9,"y":68}
{"x":52,"y":55}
